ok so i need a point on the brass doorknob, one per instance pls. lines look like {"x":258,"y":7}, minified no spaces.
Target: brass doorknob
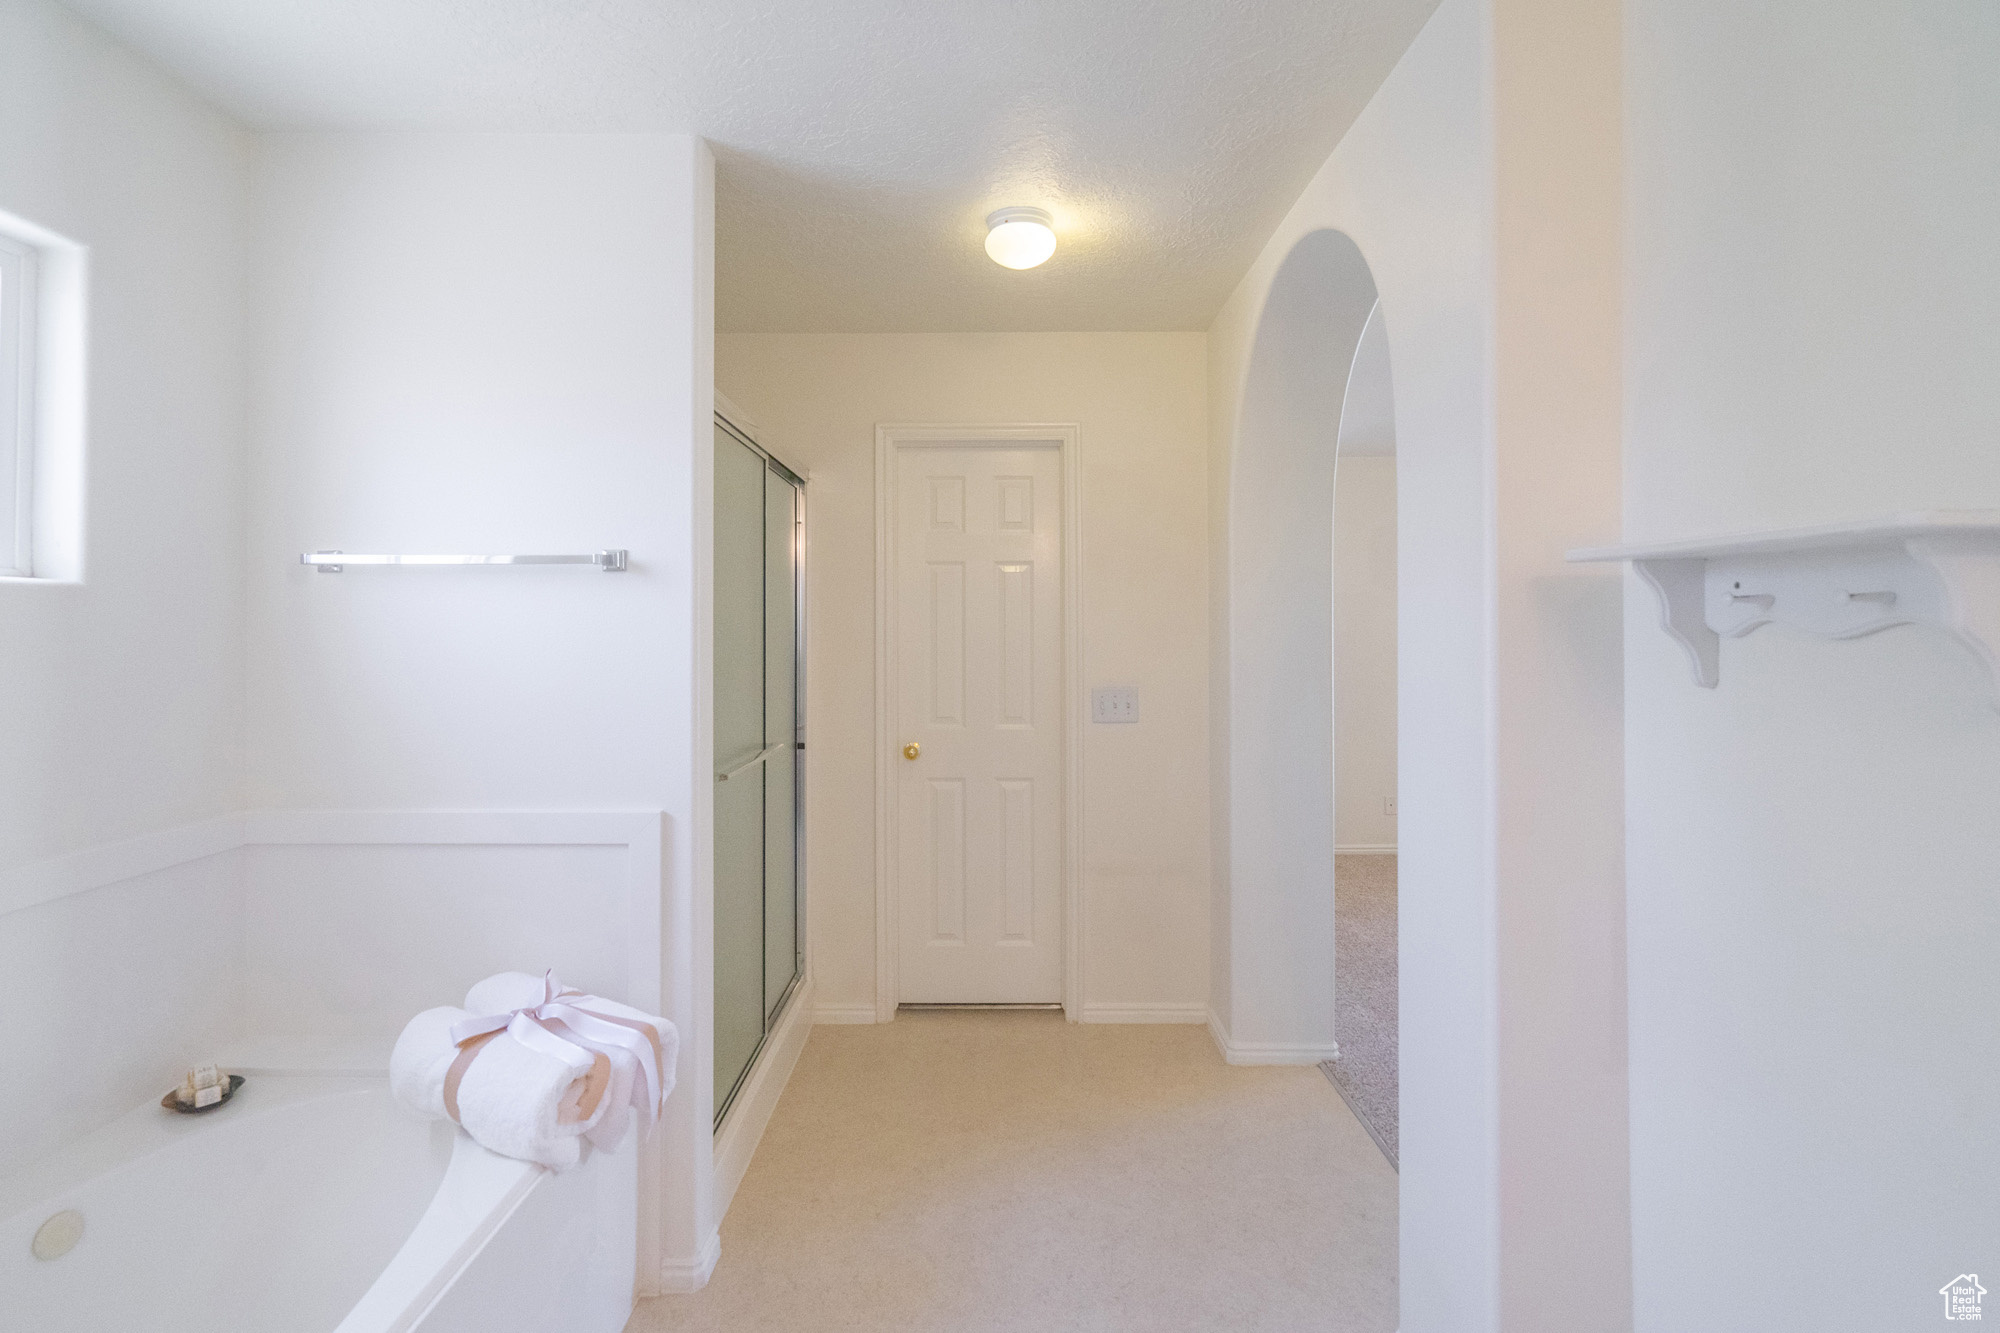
{"x":912,"y":750}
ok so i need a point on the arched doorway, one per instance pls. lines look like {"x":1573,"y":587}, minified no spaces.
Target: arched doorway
{"x":1365,"y":821}
{"x":1275,"y":992}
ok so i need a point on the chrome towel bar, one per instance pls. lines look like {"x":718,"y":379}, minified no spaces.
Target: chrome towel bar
{"x":333,"y":562}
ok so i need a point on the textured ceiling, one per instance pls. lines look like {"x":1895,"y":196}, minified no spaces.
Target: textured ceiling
{"x":861,"y":143}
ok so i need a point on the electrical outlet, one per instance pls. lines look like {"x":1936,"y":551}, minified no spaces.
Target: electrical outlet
{"x":1389,"y":805}
{"x":1114,"y":703}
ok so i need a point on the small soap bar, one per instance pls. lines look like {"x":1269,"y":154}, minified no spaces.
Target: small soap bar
{"x":205,"y":1085}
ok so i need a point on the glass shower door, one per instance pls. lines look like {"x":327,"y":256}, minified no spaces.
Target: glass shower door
{"x":739,"y":746}
{"x":759,"y":514}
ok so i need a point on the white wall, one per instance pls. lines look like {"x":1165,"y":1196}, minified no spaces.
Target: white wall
{"x":1557,"y":739}
{"x":1481,"y":188}
{"x":468,"y":343}
{"x":492,"y":343}
{"x":344,"y":943}
{"x":1364,"y":651}
{"x":1138,"y":400}
{"x":1812,"y":335}
{"x":120,"y":697}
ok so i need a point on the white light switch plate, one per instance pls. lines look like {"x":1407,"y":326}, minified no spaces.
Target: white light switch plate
{"x":1114,"y":703}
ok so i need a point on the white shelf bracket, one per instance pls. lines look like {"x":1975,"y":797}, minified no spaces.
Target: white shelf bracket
{"x":1842,"y":581}
{"x":1970,"y":574}
{"x":1679,"y":584}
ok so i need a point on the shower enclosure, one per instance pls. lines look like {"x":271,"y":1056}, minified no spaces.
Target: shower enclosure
{"x":759,"y":740}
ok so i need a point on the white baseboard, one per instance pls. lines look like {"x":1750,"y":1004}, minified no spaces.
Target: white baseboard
{"x":1277,"y":1053}
{"x":743,"y":1128}
{"x":1267,"y":1052}
{"x":1365,"y":849}
{"x":678,"y":1279}
{"x":862,"y":1012}
{"x":1160,"y":1012}
{"x":1218,"y":1035}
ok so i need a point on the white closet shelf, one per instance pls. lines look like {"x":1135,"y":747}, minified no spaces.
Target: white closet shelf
{"x":1840,"y":581}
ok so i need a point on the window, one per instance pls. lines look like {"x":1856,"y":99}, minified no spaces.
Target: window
{"x":19,"y":270}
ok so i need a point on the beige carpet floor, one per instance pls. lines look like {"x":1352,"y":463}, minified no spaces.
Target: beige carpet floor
{"x":1364,"y":993}
{"x":976,"y":1172}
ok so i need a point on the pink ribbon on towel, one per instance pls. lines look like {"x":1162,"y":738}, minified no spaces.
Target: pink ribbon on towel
{"x":570,"y":1026}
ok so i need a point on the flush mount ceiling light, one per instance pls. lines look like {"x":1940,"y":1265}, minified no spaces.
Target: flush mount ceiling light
{"x":1020,"y":237}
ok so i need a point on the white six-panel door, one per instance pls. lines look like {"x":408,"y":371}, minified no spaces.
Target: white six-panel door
{"x":978,"y":600}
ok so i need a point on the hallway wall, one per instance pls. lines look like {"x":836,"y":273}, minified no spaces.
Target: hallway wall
{"x":1813,"y":331}
{"x":1481,"y":186}
{"x":1139,"y":401}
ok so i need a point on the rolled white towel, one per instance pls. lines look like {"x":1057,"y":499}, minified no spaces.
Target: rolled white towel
{"x":508,"y":991}
{"x":523,"y":1103}
{"x":516,"y":1101}
{"x":422,"y":1058}
{"x":628,"y":1080}
{"x":503,"y":993}
{"x":608,"y":1134}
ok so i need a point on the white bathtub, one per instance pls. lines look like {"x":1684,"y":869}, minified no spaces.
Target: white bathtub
{"x":311,"y":1204}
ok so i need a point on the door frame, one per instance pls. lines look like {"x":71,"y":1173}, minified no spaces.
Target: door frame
{"x":889,"y":440}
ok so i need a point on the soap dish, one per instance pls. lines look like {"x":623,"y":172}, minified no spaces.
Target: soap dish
{"x":172,"y":1101}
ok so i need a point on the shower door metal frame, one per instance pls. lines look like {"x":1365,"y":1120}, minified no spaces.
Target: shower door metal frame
{"x":797,"y":479}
